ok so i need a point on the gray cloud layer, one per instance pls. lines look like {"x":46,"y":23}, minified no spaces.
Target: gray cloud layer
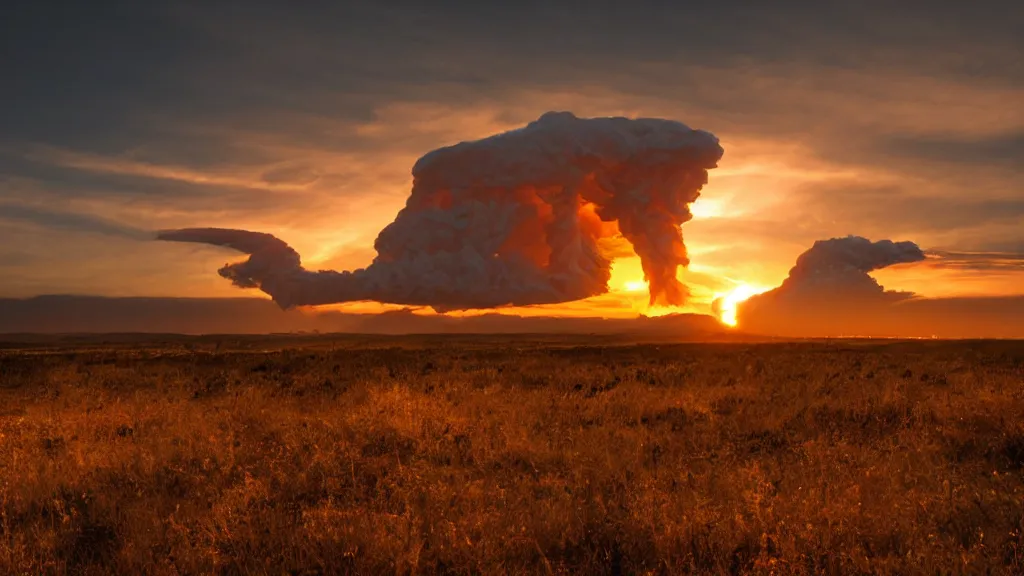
{"x":71,"y":221}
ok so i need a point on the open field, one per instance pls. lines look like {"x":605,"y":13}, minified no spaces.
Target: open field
{"x":487,"y":455}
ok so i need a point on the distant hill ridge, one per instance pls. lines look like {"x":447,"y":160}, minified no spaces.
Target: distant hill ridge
{"x":979,"y":317}
{"x":54,"y":314}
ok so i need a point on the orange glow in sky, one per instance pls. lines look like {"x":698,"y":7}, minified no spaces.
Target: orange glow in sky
{"x":764,"y":205}
{"x":292,"y":137}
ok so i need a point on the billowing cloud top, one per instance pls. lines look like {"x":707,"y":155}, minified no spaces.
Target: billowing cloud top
{"x":841,"y":266}
{"x":513,"y":219}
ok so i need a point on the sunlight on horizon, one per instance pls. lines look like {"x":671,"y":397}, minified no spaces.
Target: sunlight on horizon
{"x":725,"y":304}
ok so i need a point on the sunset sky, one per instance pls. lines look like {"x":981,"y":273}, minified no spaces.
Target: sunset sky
{"x":899,"y":120}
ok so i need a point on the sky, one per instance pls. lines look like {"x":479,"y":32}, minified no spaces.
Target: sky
{"x":888,"y":120}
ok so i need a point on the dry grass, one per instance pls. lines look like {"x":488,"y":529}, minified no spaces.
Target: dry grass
{"x":506,"y":456}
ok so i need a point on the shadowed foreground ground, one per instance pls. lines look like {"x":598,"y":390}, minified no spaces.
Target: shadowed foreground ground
{"x":498,"y":455}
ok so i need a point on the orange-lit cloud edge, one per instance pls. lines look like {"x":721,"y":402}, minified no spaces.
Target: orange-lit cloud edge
{"x":755,"y":182}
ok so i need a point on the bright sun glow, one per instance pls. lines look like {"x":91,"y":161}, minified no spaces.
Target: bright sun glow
{"x":635,"y":286}
{"x":705,"y":208}
{"x":726,"y":307}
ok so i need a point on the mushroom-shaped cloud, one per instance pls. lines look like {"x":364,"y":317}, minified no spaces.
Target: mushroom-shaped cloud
{"x":512,"y":219}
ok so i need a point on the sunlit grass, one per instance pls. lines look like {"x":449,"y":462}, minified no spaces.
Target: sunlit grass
{"x":502,"y":455}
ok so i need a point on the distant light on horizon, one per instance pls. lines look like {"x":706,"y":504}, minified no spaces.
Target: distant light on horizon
{"x":728,"y":302}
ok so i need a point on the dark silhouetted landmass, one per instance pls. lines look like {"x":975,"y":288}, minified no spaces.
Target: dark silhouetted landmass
{"x":829,"y":317}
{"x":887,"y":315}
{"x":87,"y":314}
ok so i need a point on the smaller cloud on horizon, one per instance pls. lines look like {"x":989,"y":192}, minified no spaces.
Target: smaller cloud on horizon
{"x":830,"y":292}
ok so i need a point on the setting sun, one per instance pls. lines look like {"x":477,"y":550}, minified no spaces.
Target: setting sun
{"x":635,"y":285}
{"x":726,"y":303}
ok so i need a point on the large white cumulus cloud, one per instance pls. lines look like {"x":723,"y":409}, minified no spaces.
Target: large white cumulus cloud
{"x":513,"y":219}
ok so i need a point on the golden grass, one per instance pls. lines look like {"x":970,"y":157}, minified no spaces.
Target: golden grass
{"x":514,"y":457}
